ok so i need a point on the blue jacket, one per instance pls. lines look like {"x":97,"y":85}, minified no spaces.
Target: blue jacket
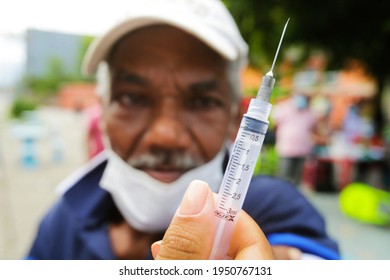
{"x":76,"y":226}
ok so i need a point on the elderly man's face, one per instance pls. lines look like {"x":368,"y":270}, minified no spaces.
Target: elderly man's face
{"x":171,"y":106}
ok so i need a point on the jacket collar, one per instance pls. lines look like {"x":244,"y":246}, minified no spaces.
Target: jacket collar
{"x":91,"y":206}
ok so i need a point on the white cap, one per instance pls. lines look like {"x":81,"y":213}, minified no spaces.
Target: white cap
{"x":208,"y":20}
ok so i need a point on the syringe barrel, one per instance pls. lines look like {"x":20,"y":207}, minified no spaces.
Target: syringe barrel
{"x":267,"y":84}
{"x":238,"y":174}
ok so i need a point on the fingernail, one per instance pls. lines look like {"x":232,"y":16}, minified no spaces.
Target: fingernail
{"x":194,"y":199}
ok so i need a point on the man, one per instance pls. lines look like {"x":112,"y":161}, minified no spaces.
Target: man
{"x":169,"y":75}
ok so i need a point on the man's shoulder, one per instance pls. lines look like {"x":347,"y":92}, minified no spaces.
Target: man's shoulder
{"x":81,"y":193}
{"x":270,"y":196}
{"x":94,"y":168}
{"x":271,"y":185}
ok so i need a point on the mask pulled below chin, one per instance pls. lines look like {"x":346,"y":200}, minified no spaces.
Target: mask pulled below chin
{"x":147,"y":204}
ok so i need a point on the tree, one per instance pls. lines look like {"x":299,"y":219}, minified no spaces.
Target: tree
{"x":344,"y":29}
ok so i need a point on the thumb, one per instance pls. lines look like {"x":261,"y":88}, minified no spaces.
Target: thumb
{"x":191,"y":232}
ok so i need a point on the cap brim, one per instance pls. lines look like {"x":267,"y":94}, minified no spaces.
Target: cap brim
{"x":210,"y":36}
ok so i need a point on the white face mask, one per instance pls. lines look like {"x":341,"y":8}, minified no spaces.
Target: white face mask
{"x":146,"y":203}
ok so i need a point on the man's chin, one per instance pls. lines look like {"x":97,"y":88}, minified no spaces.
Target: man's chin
{"x":164,"y":176}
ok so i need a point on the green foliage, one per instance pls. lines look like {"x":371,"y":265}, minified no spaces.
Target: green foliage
{"x":55,"y":76}
{"x":84,"y":44}
{"x":277,"y":93}
{"x":21,"y":105}
{"x":50,"y":83}
{"x":260,"y":23}
{"x":349,"y":28}
{"x":267,"y":164}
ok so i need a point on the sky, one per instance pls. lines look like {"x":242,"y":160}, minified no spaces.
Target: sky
{"x":85,"y":17}
{"x":71,"y":16}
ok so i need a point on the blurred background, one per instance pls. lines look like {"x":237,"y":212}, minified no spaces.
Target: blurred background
{"x":334,"y":58}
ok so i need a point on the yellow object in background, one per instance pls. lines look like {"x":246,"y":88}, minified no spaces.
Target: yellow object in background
{"x":366,"y":204}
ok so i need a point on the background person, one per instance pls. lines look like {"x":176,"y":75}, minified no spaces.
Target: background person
{"x":294,"y":124}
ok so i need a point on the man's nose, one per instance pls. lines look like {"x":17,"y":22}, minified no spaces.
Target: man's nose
{"x":168,"y":129}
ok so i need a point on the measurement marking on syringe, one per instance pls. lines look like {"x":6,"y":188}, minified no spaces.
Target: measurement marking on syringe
{"x":235,"y":164}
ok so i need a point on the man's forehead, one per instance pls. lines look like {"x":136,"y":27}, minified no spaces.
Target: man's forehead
{"x":165,"y":37}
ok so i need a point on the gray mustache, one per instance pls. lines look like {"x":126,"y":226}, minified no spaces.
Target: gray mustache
{"x":174,"y":160}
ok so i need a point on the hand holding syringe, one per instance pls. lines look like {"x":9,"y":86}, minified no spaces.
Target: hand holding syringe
{"x":239,"y":171}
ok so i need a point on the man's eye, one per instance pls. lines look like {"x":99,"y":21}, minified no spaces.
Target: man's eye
{"x":131,"y":99}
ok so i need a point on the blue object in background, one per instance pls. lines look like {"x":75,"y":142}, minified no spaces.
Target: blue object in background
{"x":29,"y":157}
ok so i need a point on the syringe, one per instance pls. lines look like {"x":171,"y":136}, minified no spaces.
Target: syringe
{"x":242,"y":161}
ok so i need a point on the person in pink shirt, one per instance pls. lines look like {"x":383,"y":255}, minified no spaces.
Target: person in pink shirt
{"x":294,"y":124}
